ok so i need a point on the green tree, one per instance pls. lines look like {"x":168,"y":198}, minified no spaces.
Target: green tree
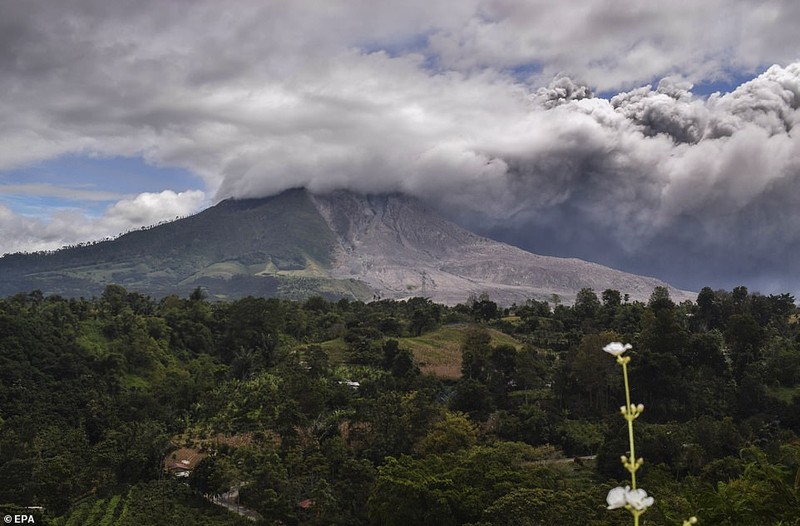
{"x":475,"y":353}
{"x":212,"y":476}
{"x":453,"y":432}
{"x":472,"y":397}
{"x":744,"y":336}
{"x":454,"y":488}
{"x":535,"y":506}
{"x":709,"y":308}
{"x":587,"y":308}
{"x":593,"y":378}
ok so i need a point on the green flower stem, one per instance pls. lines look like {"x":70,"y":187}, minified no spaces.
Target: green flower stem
{"x":635,"y":500}
{"x":636,"y":514}
{"x":629,"y":416}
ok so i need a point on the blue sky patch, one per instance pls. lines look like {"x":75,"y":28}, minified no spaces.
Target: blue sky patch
{"x":88,"y":184}
{"x":726,"y":85}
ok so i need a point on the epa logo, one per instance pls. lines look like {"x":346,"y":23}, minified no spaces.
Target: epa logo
{"x":19,"y":519}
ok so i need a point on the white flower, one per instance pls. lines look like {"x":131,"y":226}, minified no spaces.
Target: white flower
{"x":616,"y":498}
{"x":616,"y":348}
{"x":635,"y":498}
{"x":638,"y":499}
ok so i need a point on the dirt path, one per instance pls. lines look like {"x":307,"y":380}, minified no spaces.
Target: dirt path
{"x":230,"y":500}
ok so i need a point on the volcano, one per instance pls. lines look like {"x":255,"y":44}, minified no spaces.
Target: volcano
{"x":297,"y":244}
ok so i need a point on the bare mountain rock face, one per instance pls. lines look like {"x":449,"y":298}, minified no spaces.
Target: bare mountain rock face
{"x":296,"y":244}
{"x":402,"y":249}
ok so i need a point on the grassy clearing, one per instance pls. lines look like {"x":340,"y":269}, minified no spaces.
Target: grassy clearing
{"x":222,"y":270}
{"x":437,"y":352}
{"x":785,"y":394}
{"x":336,"y":349}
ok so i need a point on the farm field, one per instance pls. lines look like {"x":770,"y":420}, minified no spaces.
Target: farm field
{"x":164,"y":502}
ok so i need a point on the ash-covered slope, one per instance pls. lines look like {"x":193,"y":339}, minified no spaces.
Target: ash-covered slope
{"x":401,"y":248}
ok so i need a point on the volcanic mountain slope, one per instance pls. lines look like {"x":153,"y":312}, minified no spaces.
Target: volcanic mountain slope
{"x":297,"y":244}
{"x":238,"y":247}
{"x":401,"y":248}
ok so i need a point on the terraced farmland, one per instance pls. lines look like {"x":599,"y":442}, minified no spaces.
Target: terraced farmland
{"x":98,"y":512}
{"x":164,"y":502}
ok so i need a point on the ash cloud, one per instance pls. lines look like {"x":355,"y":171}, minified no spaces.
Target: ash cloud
{"x":670,"y":109}
{"x":561,"y":90}
{"x":659,"y":181}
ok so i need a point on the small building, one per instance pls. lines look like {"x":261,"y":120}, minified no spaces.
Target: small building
{"x":181,"y":462}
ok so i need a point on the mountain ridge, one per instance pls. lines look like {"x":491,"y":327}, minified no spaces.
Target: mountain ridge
{"x":296,"y":244}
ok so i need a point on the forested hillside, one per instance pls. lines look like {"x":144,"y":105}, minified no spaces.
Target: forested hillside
{"x":123,"y":410}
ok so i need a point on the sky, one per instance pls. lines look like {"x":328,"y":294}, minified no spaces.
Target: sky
{"x":661,"y":138}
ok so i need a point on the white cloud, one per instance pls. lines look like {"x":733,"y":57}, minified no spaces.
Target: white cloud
{"x":66,"y":227}
{"x":148,"y":208}
{"x":233,"y":92}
